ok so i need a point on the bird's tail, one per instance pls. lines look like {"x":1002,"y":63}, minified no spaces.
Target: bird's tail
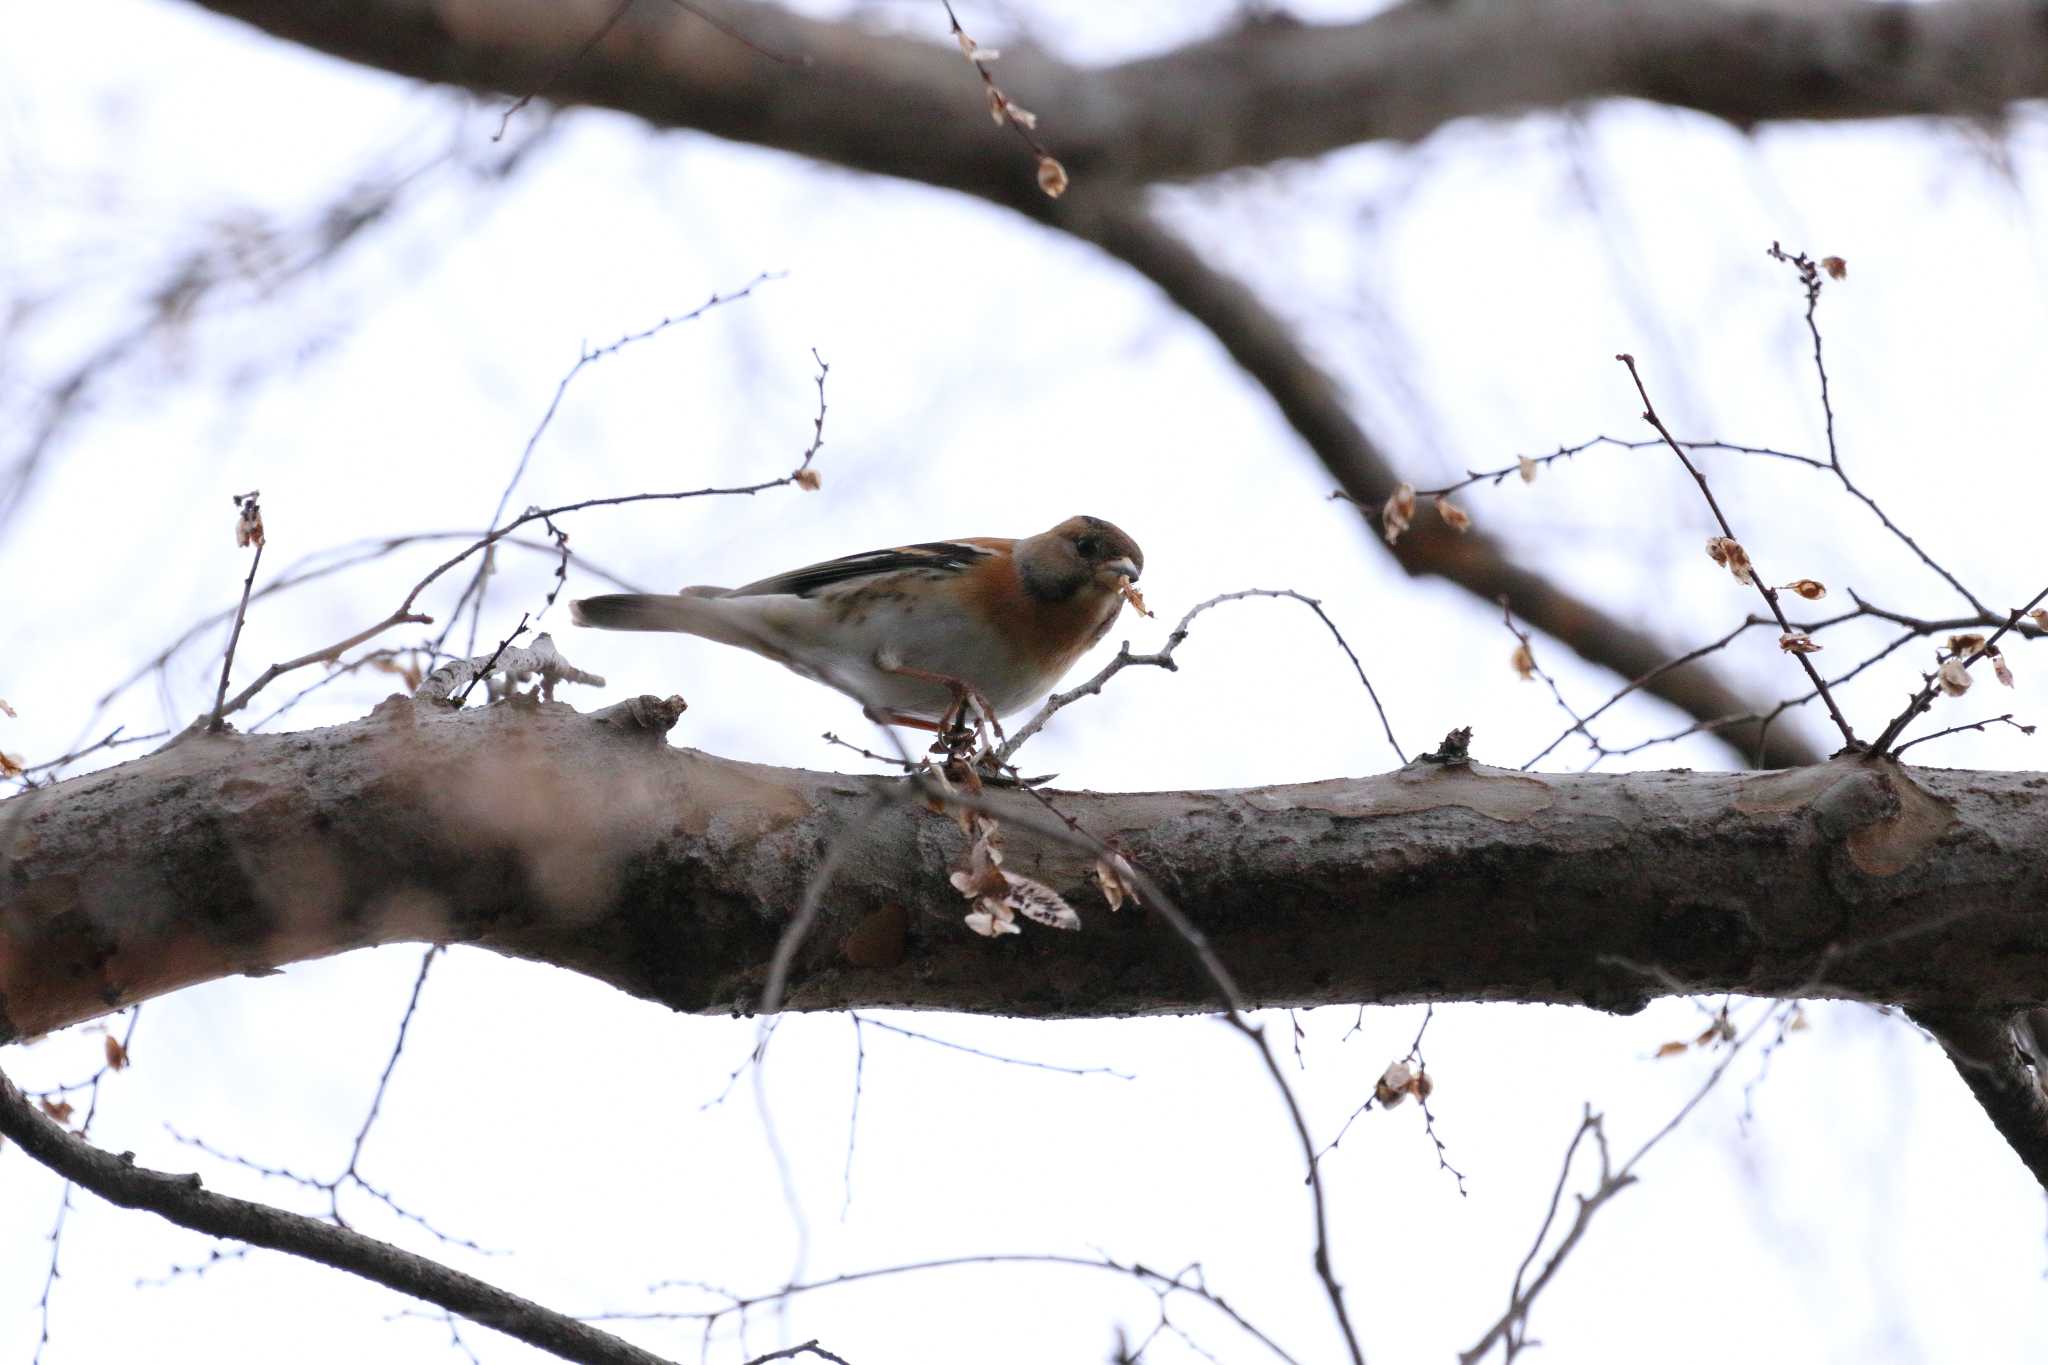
{"x":690,"y":613}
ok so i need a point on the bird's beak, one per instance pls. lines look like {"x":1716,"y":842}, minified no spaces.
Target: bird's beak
{"x":1124,"y":568}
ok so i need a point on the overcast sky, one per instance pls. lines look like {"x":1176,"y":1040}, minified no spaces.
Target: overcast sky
{"x":988,"y":378}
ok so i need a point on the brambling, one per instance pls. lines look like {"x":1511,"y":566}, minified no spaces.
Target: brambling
{"x":908,"y":630}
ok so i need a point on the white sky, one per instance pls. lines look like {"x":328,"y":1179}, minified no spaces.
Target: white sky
{"x":988,"y":378}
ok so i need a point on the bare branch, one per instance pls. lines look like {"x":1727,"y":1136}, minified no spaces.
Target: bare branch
{"x":1768,"y":593}
{"x":180,"y":1199}
{"x":1163,"y":658}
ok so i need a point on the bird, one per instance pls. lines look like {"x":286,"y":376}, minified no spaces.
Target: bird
{"x":912,"y":630}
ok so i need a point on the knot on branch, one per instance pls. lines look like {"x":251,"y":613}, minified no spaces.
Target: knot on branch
{"x":647,"y":713}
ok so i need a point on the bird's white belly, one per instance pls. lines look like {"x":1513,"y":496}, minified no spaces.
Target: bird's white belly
{"x":873,"y":645}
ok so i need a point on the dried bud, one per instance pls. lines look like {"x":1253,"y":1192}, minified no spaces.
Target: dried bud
{"x":1399,"y":512}
{"x":1524,"y":661}
{"x":1954,"y":678}
{"x":1393,"y":1086}
{"x":117,"y":1056}
{"x":1422,"y":1086}
{"x":807,"y":479}
{"x":1962,"y":646}
{"x":1528,"y":468}
{"x":973,"y":51}
{"x":1672,"y":1049}
{"x":1728,"y":553}
{"x":1807,"y":588}
{"x":1052,"y":177}
{"x":1798,"y":642}
{"x":1836,"y":267}
{"x":1454,"y":516}
{"x":995,"y":104}
{"x":60,"y":1110}
{"x":1130,"y":594}
{"x":2039,"y":616}
{"x":1998,"y":666}
{"x":10,"y":766}
{"x":1019,"y":115}
{"x":249,"y":525}
{"x":5,"y":709}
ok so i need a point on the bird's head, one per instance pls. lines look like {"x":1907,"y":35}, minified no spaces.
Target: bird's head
{"x":1079,"y":552}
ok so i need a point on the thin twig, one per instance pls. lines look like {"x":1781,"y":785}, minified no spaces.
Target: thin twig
{"x":492,"y":662}
{"x":993,"y":1056}
{"x":1810,"y":280}
{"x":182,"y":1200}
{"x":1164,"y":659}
{"x":1925,"y":696}
{"x":246,"y":502}
{"x":2005,"y":719}
{"x":1769,"y":594}
{"x":1510,"y":1327}
{"x":740,"y":1304}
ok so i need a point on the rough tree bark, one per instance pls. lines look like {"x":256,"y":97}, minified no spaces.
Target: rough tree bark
{"x":588,"y":842}
{"x":1274,"y":88}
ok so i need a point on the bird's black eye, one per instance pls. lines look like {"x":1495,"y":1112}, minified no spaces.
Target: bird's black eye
{"x":1089,"y":547}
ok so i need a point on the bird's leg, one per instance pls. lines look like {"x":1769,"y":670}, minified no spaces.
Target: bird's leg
{"x":963,"y":728}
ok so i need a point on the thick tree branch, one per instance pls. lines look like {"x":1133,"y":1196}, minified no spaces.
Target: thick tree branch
{"x":1247,"y":96}
{"x":1264,"y":346}
{"x":1986,"y":1054}
{"x":587,"y":842}
{"x":182,"y":1200}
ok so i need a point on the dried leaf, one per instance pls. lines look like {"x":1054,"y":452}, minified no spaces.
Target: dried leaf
{"x":1114,"y":875}
{"x":1999,"y":667}
{"x":1399,"y":512}
{"x":1528,"y":468}
{"x":990,"y":926}
{"x":1454,"y":516}
{"x":1807,"y":588}
{"x":1036,"y":901}
{"x":1524,"y":661}
{"x":1954,"y":678}
{"x":1836,"y":267}
{"x":1052,"y":177}
{"x":1672,"y":1049}
{"x":1799,"y":642}
{"x":2039,"y":616}
{"x":6,"y":710}
{"x":1131,"y":595}
{"x":57,"y":1109}
{"x":117,"y":1056}
{"x":10,"y":766}
{"x":807,"y":479}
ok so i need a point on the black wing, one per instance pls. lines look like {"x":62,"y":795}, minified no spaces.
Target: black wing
{"x":946,"y":556}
